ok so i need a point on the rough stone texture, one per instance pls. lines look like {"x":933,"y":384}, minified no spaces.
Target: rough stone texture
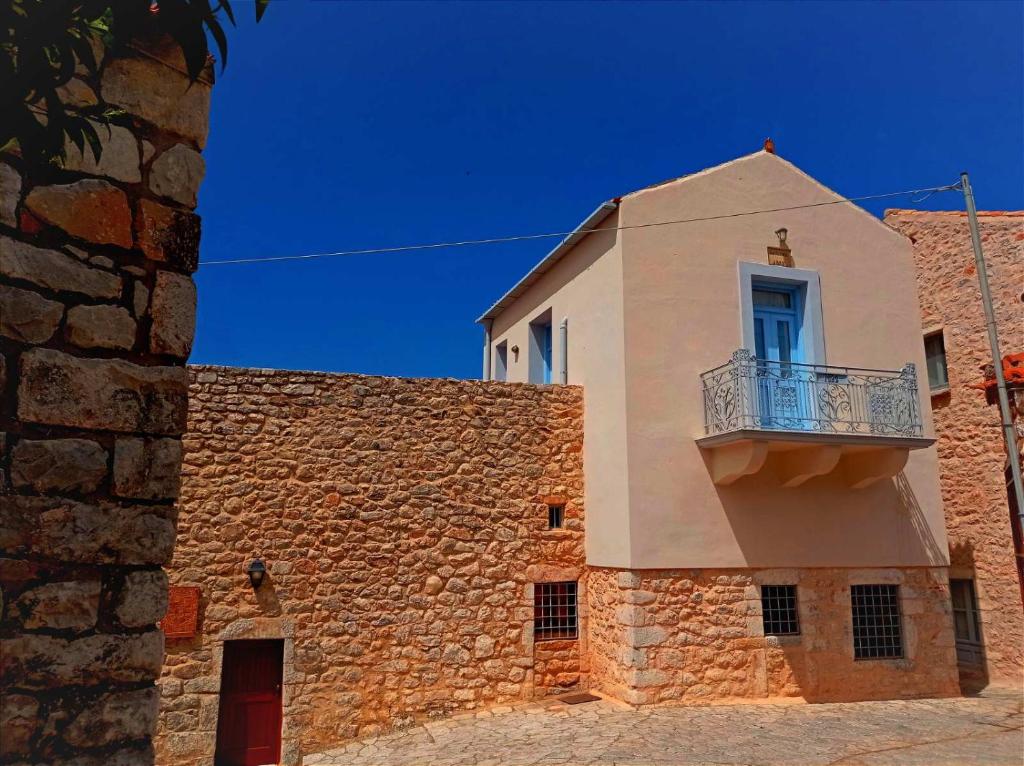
{"x":398,"y":518}
{"x":92,"y":210}
{"x":10,"y":191}
{"x":177,"y":174}
{"x":168,"y":234}
{"x":61,"y":606}
{"x":967,"y":731}
{"x":118,"y":160}
{"x":54,"y":270}
{"x":83,"y":535}
{"x":58,"y":465}
{"x":173,"y":308}
{"x":687,"y":636}
{"x":27,"y":316}
{"x":101,"y":327}
{"x":158,"y":92}
{"x":147,"y":469}
{"x":109,"y":394}
{"x":971,"y":454}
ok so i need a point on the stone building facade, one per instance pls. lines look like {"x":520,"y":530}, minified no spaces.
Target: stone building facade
{"x":403,"y":522}
{"x":97,"y":310}
{"x":972,"y":458}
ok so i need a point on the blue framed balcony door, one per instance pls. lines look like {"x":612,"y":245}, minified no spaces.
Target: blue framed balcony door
{"x":784,"y":399}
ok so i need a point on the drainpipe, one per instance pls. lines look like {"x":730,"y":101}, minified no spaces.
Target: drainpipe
{"x":563,"y":352}
{"x":487,"y":349}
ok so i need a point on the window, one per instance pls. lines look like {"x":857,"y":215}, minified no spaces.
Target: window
{"x":554,"y":610}
{"x":935,"y":355}
{"x":540,"y":349}
{"x":877,"y":633}
{"x":501,"y":361}
{"x":966,"y":622}
{"x":778,"y":610}
{"x":556,"y":515}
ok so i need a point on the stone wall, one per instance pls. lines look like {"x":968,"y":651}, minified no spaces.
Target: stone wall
{"x":403,"y":523}
{"x":691,"y":636}
{"x":971,"y":454}
{"x":96,"y":320}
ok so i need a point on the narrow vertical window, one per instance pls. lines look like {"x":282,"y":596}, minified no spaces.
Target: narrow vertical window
{"x":539,"y":359}
{"x":554,"y":611}
{"x":966,"y":622}
{"x":877,"y":623}
{"x":556,"y":515}
{"x":935,"y":356}
{"x":501,"y":361}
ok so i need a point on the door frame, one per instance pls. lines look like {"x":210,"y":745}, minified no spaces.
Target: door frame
{"x":275,"y":645}
{"x":806,"y":283}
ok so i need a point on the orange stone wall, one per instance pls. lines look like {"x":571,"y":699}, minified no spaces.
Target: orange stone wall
{"x":970,"y":444}
{"x":403,"y":523}
{"x":691,"y":636}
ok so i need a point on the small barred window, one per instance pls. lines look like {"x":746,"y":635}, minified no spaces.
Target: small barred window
{"x":877,"y":632}
{"x":556,"y":516}
{"x":778,"y":610}
{"x":554,"y":610}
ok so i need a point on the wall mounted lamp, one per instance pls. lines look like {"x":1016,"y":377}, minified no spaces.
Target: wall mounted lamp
{"x":257,"y":570}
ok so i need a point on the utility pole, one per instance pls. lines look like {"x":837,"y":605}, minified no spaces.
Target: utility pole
{"x":1009,"y":436}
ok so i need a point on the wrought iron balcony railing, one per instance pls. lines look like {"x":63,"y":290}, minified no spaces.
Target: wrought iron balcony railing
{"x":754,"y":394}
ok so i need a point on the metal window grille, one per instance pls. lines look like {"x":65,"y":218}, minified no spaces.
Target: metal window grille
{"x":877,"y":633}
{"x":778,"y":610}
{"x":554,"y":610}
{"x":556,"y":514}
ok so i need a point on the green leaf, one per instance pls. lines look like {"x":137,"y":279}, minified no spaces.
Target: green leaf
{"x":93,"y":138}
{"x":217,"y":32}
{"x":261,"y":8}
{"x":225,"y":5}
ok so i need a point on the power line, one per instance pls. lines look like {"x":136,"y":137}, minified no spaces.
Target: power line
{"x":526,"y":237}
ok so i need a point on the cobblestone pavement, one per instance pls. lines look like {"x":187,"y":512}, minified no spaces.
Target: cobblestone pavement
{"x":974,"y":731}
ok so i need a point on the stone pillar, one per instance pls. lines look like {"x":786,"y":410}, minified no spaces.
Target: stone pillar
{"x":97,"y":312}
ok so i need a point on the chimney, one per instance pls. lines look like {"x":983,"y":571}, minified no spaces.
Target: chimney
{"x":769,"y":146}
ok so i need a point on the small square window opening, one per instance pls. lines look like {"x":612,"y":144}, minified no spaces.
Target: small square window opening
{"x":554,"y":611}
{"x":779,"y":611}
{"x":877,"y":629}
{"x":556,"y":515}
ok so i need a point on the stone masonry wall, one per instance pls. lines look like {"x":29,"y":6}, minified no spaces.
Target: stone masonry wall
{"x":403,"y":523}
{"x":96,"y":320}
{"x":970,"y":444}
{"x":691,"y":636}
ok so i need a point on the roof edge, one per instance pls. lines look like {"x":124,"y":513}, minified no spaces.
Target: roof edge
{"x":588,"y":224}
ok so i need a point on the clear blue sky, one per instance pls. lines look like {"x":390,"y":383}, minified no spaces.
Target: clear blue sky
{"x":342,"y":125}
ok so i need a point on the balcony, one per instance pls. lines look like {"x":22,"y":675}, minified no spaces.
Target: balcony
{"x":798,"y":421}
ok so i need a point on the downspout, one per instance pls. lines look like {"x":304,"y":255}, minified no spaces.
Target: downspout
{"x":563,"y":351}
{"x":487,"y":349}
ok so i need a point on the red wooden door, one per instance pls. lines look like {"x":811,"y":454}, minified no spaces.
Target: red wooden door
{"x":249,"y":720}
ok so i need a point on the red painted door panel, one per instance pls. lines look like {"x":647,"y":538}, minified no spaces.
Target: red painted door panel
{"x":249,"y":721}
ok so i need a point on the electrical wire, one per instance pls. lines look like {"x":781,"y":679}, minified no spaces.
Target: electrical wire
{"x":527,"y":237}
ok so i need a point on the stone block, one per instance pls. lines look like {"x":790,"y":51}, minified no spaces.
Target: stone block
{"x":42,"y":661}
{"x":10,"y":193}
{"x":68,"y":530}
{"x":55,"y":270}
{"x":140,"y":299}
{"x":91,"y":209}
{"x":76,"y":92}
{"x":119,"y":158}
{"x":58,"y":465}
{"x":177,"y":174}
{"x":26,"y":316}
{"x":173,"y":308}
{"x":61,"y":605}
{"x":143,"y":599}
{"x":649,"y":636}
{"x":20,"y":724}
{"x":101,"y":327}
{"x":121,"y":716}
{"x":107,"y":394}
{"x":628,"y":579}
{"x":168,"y":234}
{"x":147,"y":469}
{"x":483,"y":647}
{"x":159,"y":94}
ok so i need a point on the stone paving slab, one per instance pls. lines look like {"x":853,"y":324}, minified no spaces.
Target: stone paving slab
{"x":970,"y":731}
